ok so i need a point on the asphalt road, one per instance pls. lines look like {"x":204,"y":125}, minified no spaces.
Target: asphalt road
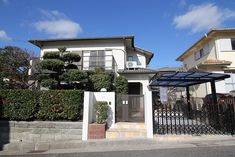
{"x":219,"y":151}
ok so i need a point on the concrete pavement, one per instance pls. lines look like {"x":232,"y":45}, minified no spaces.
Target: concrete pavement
{"x":215,"y":151}
{"x":158,"y":143}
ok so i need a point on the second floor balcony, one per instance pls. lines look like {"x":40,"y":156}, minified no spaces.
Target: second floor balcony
{"x":105,"y":62}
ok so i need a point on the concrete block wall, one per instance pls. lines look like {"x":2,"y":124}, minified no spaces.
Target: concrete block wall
{"x":39,"y":131}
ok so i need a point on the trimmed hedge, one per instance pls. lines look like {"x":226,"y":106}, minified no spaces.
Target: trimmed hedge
{"x":60,"y":105}
{"x":41,"y":105}
{"x":18,"y":104}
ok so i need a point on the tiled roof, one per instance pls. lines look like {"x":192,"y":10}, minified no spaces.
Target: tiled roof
{"x":137,"y":71}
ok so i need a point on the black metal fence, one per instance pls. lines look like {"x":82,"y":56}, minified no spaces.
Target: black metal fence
{"x":130,"y":108}
{"x":195,"y":118}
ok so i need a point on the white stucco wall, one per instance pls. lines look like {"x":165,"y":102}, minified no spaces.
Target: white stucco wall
{"x":225,"y":51}
{"x":148,"y":113}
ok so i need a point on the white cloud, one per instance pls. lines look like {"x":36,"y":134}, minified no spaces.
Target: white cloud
{"x":4,"y":36}
{"x":57,"y":25}
{"x":203,"y":17}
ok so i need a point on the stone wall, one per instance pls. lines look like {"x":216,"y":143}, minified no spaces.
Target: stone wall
{"x":39,"y":131}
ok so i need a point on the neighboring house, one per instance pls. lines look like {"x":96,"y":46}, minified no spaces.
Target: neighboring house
{"x":119,"y":55}
{"x":214,"y":52}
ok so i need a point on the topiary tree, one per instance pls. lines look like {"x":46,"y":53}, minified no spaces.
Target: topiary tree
{"x":52,"y":64}
{"x":51,"y":55}
{"x":73,"y":75}
{"x":121,"y":85}
{"x":71,"y":57}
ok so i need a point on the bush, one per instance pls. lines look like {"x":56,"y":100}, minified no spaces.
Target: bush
{"x":18,"y":104}
{"x":60,"y":105}
{"x":101,"y":80}
{"x":121,"y":85}
{"x":49,"y":83}
{"x":71,"y":57}
{"x":42,"y":105}
{"x":52,"y":64}
{"x":101,"y":112}
{"x":73,"y":75}
{"x":51,"y":55}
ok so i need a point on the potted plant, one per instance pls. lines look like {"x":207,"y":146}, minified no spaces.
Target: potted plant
{"x":97,"y":130}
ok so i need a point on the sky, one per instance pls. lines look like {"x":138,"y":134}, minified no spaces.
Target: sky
{"x":166,"y":28}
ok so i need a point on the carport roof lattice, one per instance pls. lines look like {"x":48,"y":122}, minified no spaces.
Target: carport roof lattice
{"x":186,"y":79}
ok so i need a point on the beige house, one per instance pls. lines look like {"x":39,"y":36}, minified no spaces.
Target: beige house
{"x":214,"y":52}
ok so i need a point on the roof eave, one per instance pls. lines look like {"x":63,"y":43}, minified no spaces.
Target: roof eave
{"x":39,"y":42}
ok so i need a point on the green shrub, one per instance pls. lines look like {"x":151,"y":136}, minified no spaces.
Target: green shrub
{"x":101,"y":80}
{"x":71,"y":57}
{"x":52,"y":64}
{"x":60,"y":105}
{"x":73,"y":75}
{"x":41,"y":105}
{"x":121,"y":85}
{"x":101,"y":111}
{"x":18,"y":104}
{"x":51,"y":55}
{"x":49,"y":83}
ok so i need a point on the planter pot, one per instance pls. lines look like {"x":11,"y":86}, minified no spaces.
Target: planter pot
{"x":96,"y":131}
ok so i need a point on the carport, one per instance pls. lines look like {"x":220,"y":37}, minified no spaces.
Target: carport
{"x":187,"y":79}
{"x":169,"y":118}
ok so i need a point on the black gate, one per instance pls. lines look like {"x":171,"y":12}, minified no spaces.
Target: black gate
{"x":130,"y":108}
{"x":183,"y":118}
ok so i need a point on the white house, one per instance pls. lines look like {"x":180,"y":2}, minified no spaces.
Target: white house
{"x":120,"y":55}
{"x":214,"y":52}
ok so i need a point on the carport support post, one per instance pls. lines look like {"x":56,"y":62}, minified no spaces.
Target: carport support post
{"x":188,"y":100}
{"x":214,"y":103}
{"x":213,"y":92}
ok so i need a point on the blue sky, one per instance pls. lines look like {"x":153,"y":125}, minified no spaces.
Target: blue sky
{"x":166,"y":28}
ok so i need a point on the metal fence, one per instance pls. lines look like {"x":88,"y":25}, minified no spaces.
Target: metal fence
{"x":195,"y":117}
{"x":130,"y":108}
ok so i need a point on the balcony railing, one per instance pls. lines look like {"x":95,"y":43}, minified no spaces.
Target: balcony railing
{"x":106,"y":62}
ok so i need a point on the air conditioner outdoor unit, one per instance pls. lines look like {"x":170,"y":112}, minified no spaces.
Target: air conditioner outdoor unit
{"x":131,"y":64}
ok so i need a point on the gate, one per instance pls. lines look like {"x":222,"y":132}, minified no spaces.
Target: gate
{"x":183,"y":118}
{"x":130,"y":108}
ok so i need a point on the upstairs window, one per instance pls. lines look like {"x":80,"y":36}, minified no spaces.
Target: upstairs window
{"x":202,"y":52}
{"x":233,"y":43}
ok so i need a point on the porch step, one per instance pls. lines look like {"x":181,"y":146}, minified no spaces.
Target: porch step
{"x":126,"y":130}
{"x":127,"y":125}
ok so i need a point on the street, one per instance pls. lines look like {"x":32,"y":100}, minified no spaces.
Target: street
{"x":215,"y":151}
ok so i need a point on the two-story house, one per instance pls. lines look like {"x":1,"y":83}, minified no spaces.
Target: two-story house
{"x":117,"y":54}
{"x":214,"y":52}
